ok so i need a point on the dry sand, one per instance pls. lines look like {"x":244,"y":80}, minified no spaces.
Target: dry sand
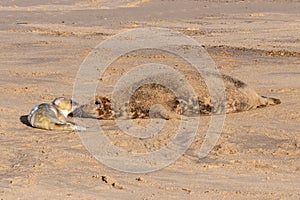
{"x":257,"y":155}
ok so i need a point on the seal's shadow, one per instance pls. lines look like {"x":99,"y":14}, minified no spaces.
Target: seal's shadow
{"x":24,"y":120}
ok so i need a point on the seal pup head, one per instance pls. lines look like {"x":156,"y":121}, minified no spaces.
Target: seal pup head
{"x":65,"y":105}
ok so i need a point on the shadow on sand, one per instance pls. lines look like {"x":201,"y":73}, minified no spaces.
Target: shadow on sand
{"x":24,"y":120}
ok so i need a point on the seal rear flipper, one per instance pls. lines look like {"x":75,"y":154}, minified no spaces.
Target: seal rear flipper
{"x":80,"y":128}
{"x":68,"y":127}
{"x":271,"y":100}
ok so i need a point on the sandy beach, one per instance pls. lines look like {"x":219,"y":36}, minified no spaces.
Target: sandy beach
{"x":44,"y":43}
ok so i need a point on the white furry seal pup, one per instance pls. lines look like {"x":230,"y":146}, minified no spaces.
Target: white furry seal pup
{"x":54,"y":116}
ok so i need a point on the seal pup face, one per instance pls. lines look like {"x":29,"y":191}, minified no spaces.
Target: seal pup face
{"x":65,"y":105}
{"x":99,"y":108}
{"x":103,"y":108}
